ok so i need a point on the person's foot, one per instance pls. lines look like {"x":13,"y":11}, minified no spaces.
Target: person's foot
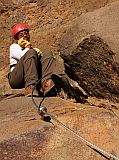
{"x":28,"y":91}
{"x":47,"y":85}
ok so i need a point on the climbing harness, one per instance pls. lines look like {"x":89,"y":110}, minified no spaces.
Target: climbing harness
{"x":47,"y":117}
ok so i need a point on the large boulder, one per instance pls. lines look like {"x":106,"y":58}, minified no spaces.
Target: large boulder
{"x":92,"y":65}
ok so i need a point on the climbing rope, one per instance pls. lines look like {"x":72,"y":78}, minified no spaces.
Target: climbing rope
{"x":46,"y":116}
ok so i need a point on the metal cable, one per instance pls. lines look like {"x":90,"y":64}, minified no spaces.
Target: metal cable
{"x":110,"y":156}
{"x":106,"y":154}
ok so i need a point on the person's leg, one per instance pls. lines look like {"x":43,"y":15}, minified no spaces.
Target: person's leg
{"x":48,"y":65}
{"x":25,"y":72}
{"x":30,"y":63}
{"x":16,"y":77}
{"x":53,"y":72}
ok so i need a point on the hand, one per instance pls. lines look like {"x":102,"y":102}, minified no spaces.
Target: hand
{"x":24,"y":43}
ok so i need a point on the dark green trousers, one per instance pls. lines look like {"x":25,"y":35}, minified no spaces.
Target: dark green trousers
{"x":30,"y":68}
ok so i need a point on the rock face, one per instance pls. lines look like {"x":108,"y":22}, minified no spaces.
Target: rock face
{"x":92,"y":65}
{"x":62,"y":27}
{"x":24,"y":136}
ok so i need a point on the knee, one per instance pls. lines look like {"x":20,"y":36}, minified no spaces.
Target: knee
{"x":31,"y":53}
{"x":47,"y":56}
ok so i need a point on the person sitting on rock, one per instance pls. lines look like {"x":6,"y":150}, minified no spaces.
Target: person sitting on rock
{"x":28,"y":65}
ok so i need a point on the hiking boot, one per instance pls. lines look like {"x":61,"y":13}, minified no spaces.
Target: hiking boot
{"x":47,"y":86}
{"x":28,"y":91}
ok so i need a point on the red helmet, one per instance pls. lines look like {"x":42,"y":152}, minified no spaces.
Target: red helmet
{"x":17,"y":28}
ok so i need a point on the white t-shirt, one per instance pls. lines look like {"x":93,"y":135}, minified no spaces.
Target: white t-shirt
{"x":16,"y":52}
